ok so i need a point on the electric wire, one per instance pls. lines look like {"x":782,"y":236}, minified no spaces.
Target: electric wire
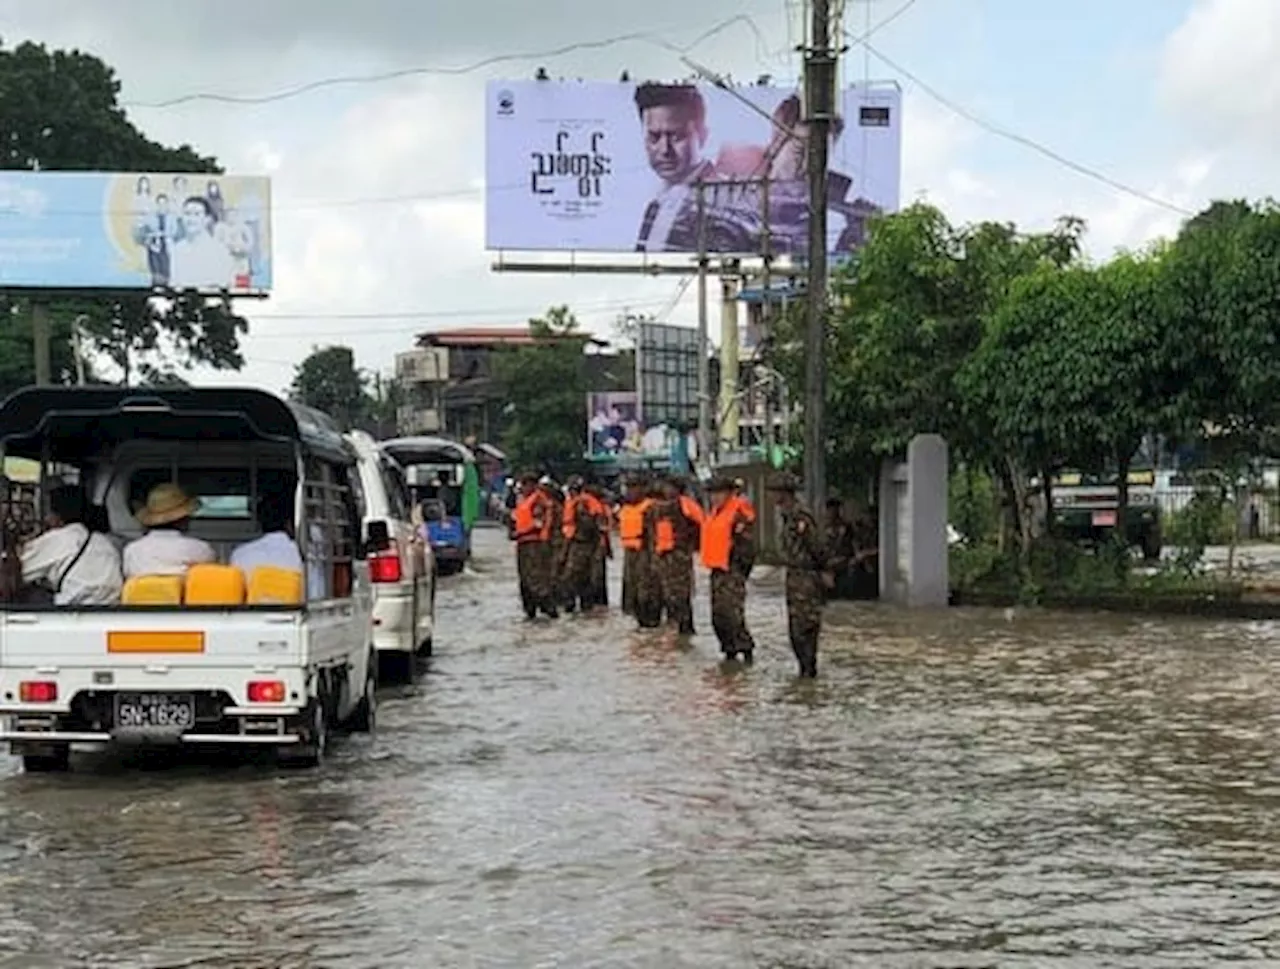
{"x":1029,"y":143}
{"x":460,"y":70}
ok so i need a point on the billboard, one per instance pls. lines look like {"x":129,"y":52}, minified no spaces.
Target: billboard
{"x":143,"y":230}
{"x":613,"y":167}
{"x":667,"y":373}
{"x":616,"y":428}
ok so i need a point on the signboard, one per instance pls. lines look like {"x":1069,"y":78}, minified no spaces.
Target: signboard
{"x":612,"y":167}
{"x":667,"y":374}
{"x":152,"y":230}
{"x":616,"y":428}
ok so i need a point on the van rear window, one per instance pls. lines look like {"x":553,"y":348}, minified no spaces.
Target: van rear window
{"x":224,"y":493}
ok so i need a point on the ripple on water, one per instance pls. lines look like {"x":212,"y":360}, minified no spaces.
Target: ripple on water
{"x":960,"y":789}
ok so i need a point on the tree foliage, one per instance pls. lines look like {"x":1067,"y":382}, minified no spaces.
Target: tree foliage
{"x":60,"y":111}
{"x":329,"y":381}
{"x":545,"y":386}
{"x":1029,"y":359}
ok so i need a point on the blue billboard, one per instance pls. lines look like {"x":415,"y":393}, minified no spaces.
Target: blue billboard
{"x":141,"y":230}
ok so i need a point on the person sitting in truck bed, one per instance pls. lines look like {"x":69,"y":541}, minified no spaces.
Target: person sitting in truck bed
{"x":166,"y":548}
{"x":276,"y":546}
{"x":77,"y":564}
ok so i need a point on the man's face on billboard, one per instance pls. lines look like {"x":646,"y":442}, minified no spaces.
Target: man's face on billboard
{"x":673,"y":140}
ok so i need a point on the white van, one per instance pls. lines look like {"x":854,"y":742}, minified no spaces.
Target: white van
{"x":402,"y":566}
{"x":276,"y":659}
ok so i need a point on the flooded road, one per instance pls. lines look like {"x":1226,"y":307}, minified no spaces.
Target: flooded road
{"x":970,"y":789}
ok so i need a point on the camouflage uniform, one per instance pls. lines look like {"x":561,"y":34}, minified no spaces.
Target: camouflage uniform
{"x":648,"y":587}
{"x":674,"y":568}
{"x":579,"y":561}
{"x":805,"y":554}
{"x":556,"y":500}
{"x":535,"y":568}
{"x":729,"y":593}
{"x":600,"y":560}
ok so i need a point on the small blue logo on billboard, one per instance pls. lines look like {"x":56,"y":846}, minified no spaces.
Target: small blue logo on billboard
{"x":506,"y":103}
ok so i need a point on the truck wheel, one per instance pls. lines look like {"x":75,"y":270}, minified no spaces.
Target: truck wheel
{"x":315,"y":739}
{"x":365,"y":718}
{"x":55,"y":763}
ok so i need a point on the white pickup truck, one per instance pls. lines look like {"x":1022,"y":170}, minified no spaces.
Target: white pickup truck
{"x":276,"y":658}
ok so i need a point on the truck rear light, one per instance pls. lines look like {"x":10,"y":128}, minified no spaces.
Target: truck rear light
{"x":38,"y":691}
{"x":266,"y":691}
{"x":385,"y":566}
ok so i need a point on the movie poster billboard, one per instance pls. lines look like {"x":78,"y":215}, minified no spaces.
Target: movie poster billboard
{"x":614,"y":167}
{"x":616,"y":429}
{"x":139,"y":230}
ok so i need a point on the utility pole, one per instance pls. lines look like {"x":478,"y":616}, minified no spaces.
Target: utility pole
{"x":820,"y":61}
{"x":40,"y":339}
{"x":704,"y":339}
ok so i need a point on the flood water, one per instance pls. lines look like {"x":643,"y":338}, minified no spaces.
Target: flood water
{"x":967,"y":789}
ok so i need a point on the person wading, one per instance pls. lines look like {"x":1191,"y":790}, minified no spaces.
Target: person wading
{"x":583,"y":520}
{"x":674,"y":523}
{"x":631,"y":538}
{"x":648,"y":586}
{"x":728,"y":552}
{"x":805,"y":554}
{"x":604,"y":552}
{"x":533,"y":523}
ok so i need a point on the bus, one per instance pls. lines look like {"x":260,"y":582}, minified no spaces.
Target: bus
{"x":445,"y":484}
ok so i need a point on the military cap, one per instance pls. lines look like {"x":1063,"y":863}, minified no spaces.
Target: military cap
{"x":528,"y":478}
{"x":784,"y":482}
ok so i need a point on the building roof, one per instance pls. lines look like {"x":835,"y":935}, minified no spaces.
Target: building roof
{"x":494,"y":336}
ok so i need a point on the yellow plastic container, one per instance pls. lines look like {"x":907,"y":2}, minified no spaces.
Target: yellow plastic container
{"x":270,"y":585}
{"x":215,"y":585}
{"x":152,"y":590}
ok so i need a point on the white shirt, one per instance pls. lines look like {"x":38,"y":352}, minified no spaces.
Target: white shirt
{"x":278,"y":550}
{"x":94,"y":580}
{"x":201,"y":261}
{"x":165,"y":551}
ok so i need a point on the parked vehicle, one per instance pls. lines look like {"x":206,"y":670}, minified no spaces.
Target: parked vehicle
{"x":445,"y":486}
{"x":402,"y":566}
{"x":276,"y":659}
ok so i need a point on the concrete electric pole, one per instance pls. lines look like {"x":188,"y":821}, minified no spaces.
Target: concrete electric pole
{"x":821,"y":58}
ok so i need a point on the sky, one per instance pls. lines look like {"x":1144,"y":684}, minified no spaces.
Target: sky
{"x":1013,"y":110}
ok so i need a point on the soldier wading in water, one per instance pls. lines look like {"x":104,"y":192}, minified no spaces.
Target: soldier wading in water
{"x":728,"y":552}
{"x":805,"y":552}
{"x":533,"y":526}
{"x":672,"y":528}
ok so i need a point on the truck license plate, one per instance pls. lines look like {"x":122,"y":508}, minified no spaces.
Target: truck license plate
{"x":165,"y":713}
{"x":1104,"y":519}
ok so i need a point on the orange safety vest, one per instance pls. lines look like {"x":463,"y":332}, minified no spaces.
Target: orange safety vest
{"x":717,"y":536}
{"x":692,"y":510}
{"x":594,"y":508}
{"x":664,"y":536}
{"x":532,"y":524}
{"x":631,"y":524}
{"x":744,"y":505}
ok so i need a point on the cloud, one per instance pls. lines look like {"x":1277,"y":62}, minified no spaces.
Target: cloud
{"x":1218,"y":71}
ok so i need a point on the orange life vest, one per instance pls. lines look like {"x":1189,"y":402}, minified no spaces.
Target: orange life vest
{"x":631,"y":524}
{"x":692,"y":510}
{"x":717,"y":536}
{"x":595,"y":508}
{"x":570,"y":525}
{"x":532,"y":523}
{"x":745,"y":506}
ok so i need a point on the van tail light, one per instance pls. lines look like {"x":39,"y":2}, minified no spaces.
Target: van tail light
{"x":385,"y":566}
{"x":265,"y":691}
{"x":38,"y":691}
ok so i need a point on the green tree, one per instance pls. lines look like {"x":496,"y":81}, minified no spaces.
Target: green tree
{"x":60,"y":111}
{"x":546,"y":389}
{"x":329,"y":381}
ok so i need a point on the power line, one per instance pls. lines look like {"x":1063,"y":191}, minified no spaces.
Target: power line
{"x":514,"y":315}
{"x":1026,"y":142}
{"x":353,"y":79}
{"x":880,"y":25}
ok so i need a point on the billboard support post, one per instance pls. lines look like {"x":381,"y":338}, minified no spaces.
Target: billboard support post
{"x":40,"y":339}
{"x":704,"y":369}
{"x":766,"y":305}
{"x":820,"y":61}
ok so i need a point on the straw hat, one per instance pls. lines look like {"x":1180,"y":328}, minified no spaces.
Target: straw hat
{"x":167,"y":503}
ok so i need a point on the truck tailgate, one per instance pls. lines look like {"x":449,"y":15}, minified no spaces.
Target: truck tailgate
{"x":175,"y":638}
